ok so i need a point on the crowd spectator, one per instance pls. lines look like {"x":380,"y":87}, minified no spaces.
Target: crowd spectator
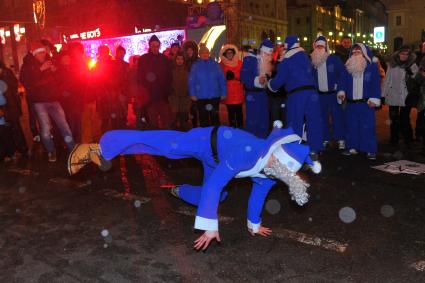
{"x":360,"y":87}
{"x":420,"y":122}
{"x":303,"y":106}
{"x":179,"y":99}
{"x":420,"y":54}
{"x":207,"y":86}
{"x":255,"y":71}
{"x":43,"y":88}
{"x":122,"y":69}
{"x":154,"y":75}
{"x":190,"y":49}
{"x":231,"y":66}
{"x":277,"y":100}
{"x":401,"y":67}
{"x":343,"y":50}
{"x":327,"y":69}
{"x":7,"y":148}
{"x":13,"y":110}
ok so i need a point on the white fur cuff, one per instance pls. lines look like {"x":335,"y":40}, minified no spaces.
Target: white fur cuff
{"x":375,"y":101}
{"x":257,"y":82}
{"x":255,"y":228}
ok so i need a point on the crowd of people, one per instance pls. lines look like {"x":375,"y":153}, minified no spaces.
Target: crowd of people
{"x":325,"y":98}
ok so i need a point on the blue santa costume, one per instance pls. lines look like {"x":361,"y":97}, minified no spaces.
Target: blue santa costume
{"x":257,"y":102}
{"x":295,"y":74}
{"x":358,"y":91}
{"x":327,"y":76}
{"x":225,"y":153}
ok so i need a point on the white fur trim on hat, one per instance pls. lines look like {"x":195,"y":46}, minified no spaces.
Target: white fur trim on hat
{"x":266,"y":49}
{"x":292,"y":164}
{"x":321,"y":43}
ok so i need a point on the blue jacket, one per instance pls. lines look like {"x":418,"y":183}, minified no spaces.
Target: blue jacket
{"x":240,"y":155}
{"x":334,"y":69}
{"x":294,"y":71}
{"x":371,"y":83}
{"x":206,"y":80}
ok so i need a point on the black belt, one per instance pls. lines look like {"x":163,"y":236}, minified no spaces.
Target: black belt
{"x":301,"y":88}
{"x":357,"y":100}
{"x":255,"y":89}
{"x":326,"y":92}
{"x":214,"y":150}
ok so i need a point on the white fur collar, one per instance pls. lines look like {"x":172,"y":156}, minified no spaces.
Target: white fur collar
{"x":293,"y":51}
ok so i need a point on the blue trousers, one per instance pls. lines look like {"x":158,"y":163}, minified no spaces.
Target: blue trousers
{"x":170,"y":144}
{"x":304,"y":107}
{"x":257,"y":114}
{"x":360,"y":133}
{"x":333,"y":119}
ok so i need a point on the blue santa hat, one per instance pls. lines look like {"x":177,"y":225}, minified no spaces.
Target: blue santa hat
{"x":266,"y":46}
{"x":321,"y":41}
{"x":367,"y":52}
{"x":291,"y":41}
{"x":293,"y":155}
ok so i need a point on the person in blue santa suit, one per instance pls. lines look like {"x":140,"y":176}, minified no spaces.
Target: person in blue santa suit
{"x":225,"y":153}
{"x":327,"y":69}
{"x":254,"y":73}
{"x":303,"y":106}
{"x":360,"y":88}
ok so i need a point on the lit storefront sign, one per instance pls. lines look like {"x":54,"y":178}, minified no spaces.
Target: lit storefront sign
{"x":86,"y":34}
{"x":379,"y":34}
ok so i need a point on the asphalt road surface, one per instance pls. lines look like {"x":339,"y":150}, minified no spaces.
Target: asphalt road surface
{"x":361,"y":224}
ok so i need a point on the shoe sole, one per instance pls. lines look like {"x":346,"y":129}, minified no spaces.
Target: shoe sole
{"x":69,"y":158}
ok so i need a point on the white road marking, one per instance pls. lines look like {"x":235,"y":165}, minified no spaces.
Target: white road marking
{"x":311,"y":240}
{"x":419,"y":265}
{"x":191,"y":212}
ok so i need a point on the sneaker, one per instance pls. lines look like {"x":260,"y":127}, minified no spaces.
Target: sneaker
{"x":175,"y":191}
{"x":350,"y":152}
{"x":371,"y":156}
{"x":52,"y":156}
{"x":314,"y":156}
{"x":83,"y":154}
{"x":341,"y":144}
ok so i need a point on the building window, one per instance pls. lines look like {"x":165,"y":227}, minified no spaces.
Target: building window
{"x":398,"y":20}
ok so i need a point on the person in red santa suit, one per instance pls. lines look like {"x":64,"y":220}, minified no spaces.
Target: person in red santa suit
{"x":231,"y":66}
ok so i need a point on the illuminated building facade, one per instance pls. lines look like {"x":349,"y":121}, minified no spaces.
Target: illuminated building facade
{"x":406,"y":23}
{"x":335,"y":19}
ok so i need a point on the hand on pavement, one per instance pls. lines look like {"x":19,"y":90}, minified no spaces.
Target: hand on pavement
{"x":204,"y":241}
{"x":263,"y":231}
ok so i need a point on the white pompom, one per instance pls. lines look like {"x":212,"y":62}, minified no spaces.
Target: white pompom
{"x":277,"y":124}
{"x":316,"y":167}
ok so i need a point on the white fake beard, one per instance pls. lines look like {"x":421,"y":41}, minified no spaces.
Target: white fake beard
{"x":356,"y":65}
{"x":319,"y":56}
{"x":265,"y":64}
{"x":297,"y":186}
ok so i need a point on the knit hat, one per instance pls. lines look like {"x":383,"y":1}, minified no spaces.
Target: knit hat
{"x":154,"y":38}
{"x":37,"y":47}
{"x":291,"y":41}
{"x":266,"y":46}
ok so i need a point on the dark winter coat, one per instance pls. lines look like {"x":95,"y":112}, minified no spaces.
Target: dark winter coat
{"x":154,"y":75}
{"x":13,"y":106}
{"x":342,"y":53}
{"x":190,"y":60}
{"x":41,"y":86}
{"x":179,"y":98}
